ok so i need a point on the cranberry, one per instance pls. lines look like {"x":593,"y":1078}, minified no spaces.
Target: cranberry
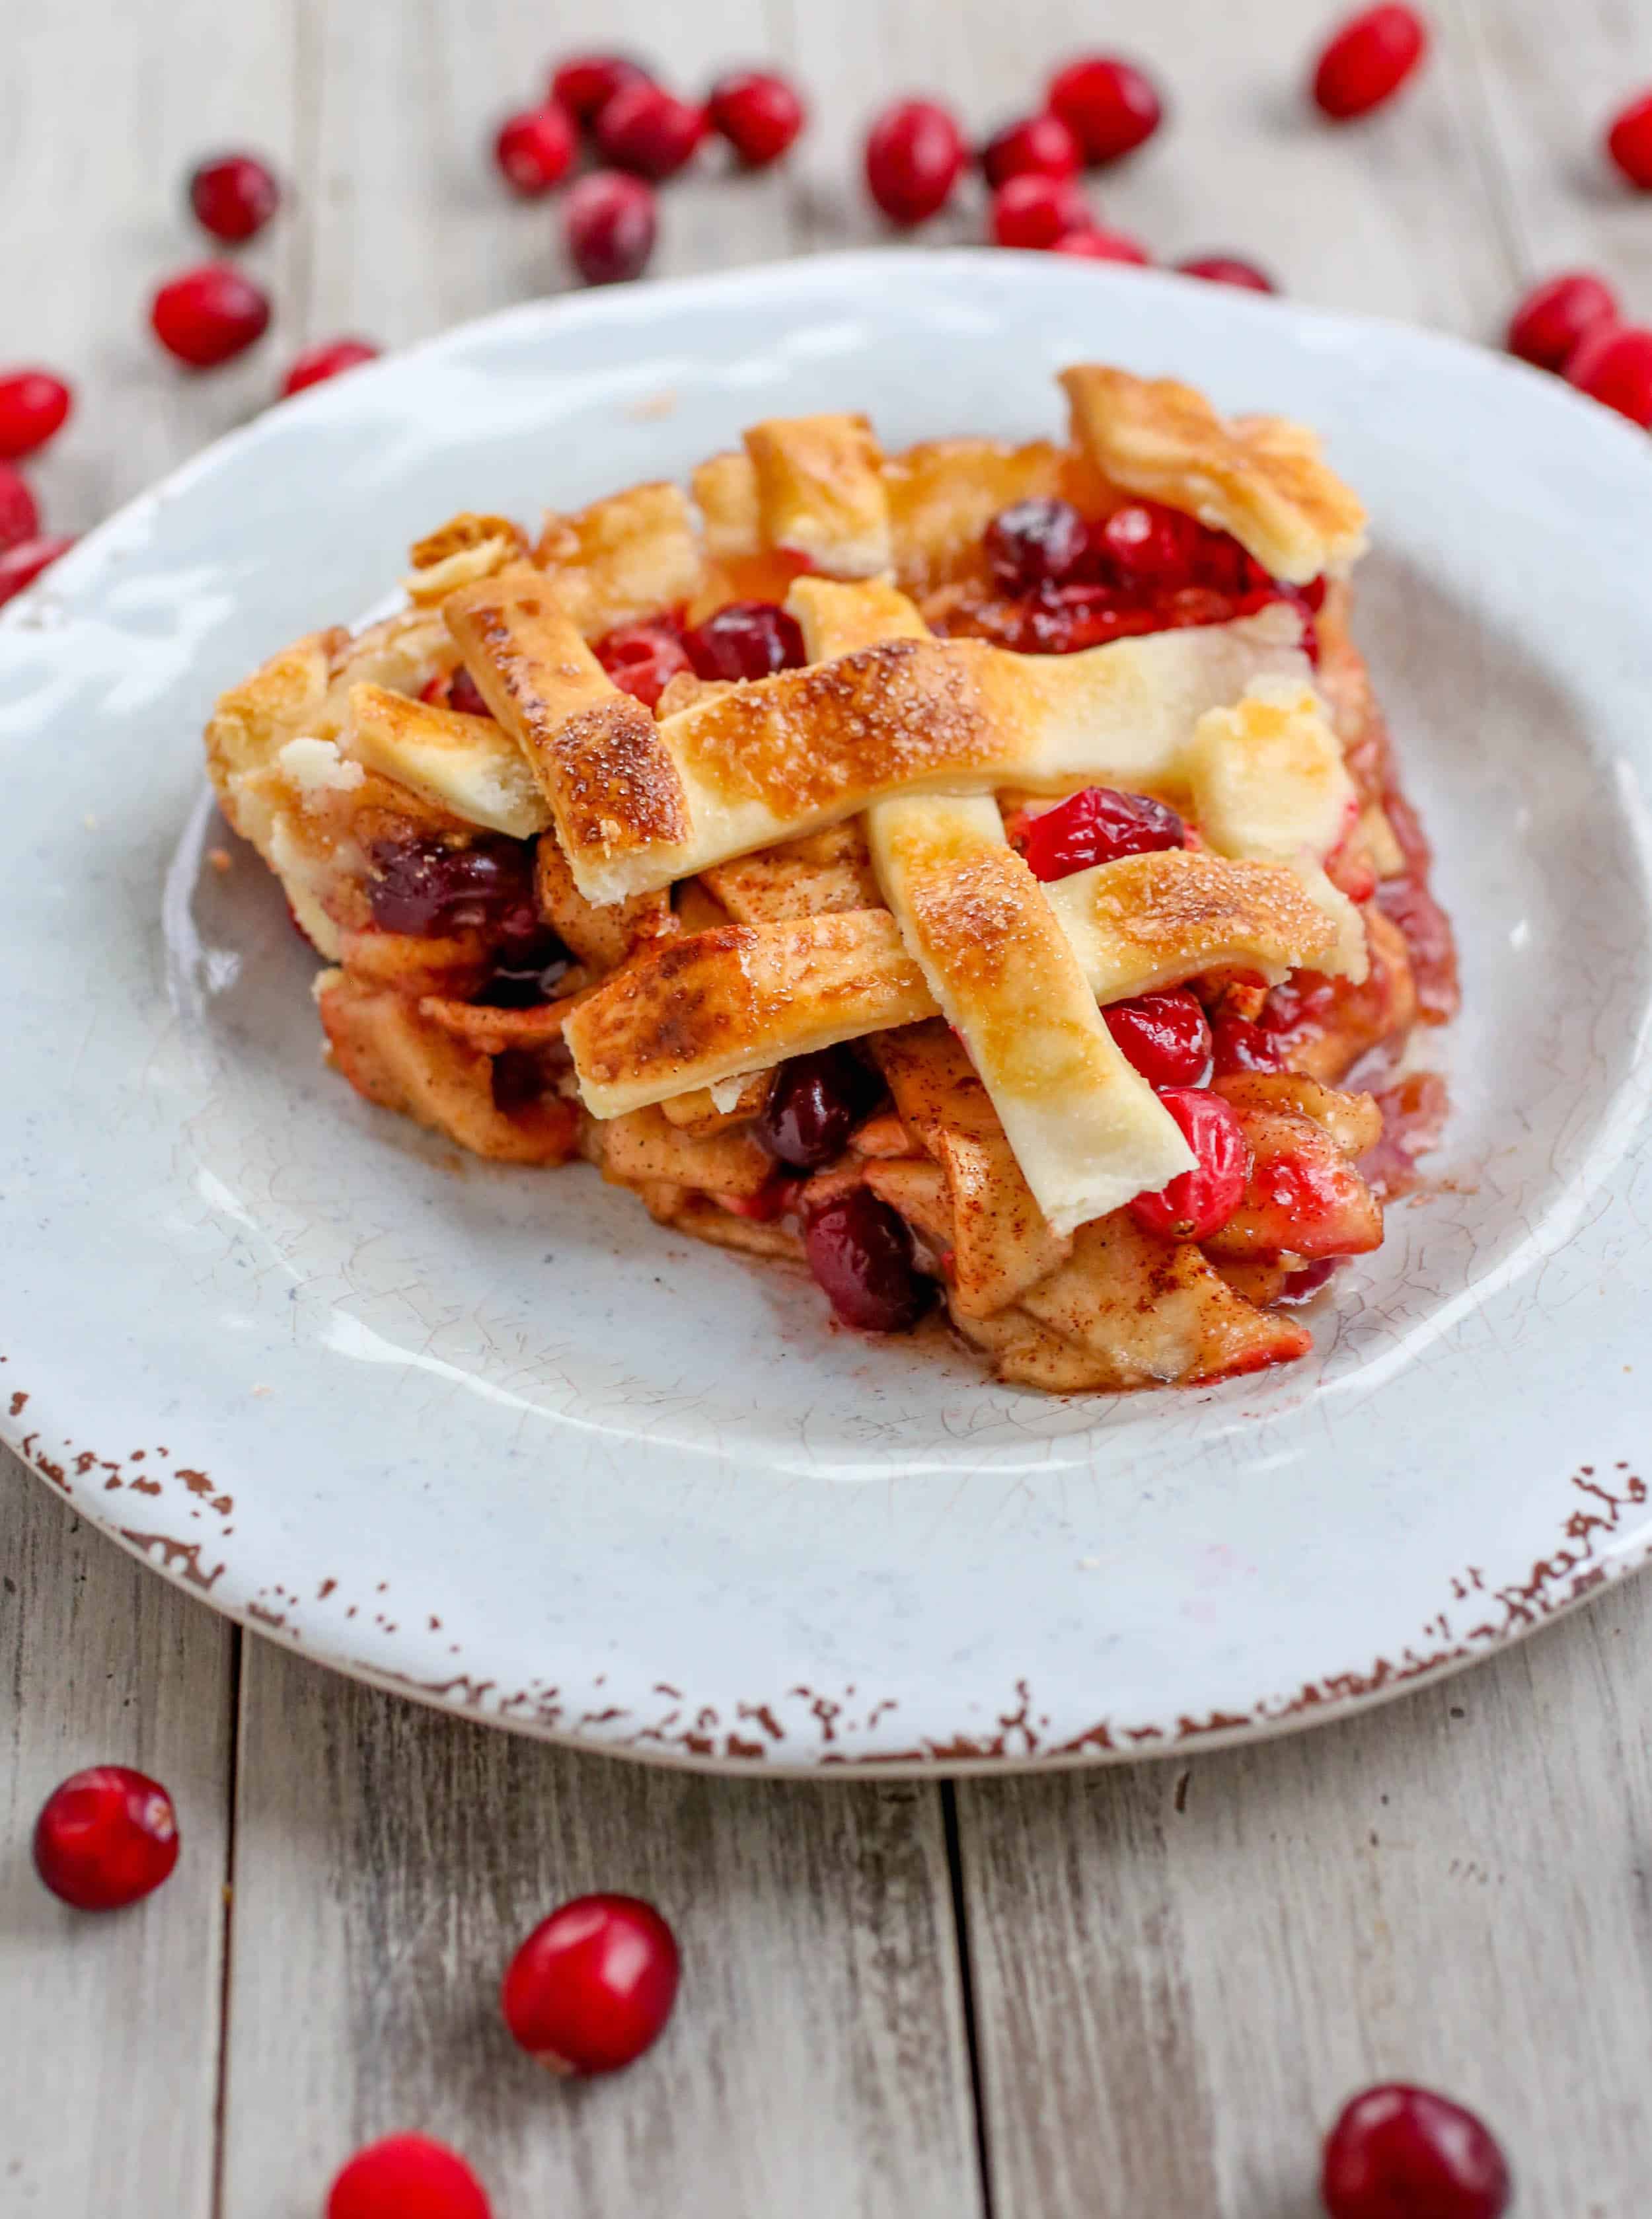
{"x":207,"y":315}
{"x":1095,"y":245}
{"x":33,"y":405}
{"x":535,"y":149}
{"x":1398,"y":2152}
{"x":1038,"y":146}
{"x":424,"y":888}
{"x":1064,"y":620}
{"x":1367,"y":59}
{"x":1110,"y":106}
{"x":1199,"y":1202}
{"x":465,"y":695}
{"x":1097,"y":826}
{"x":407,"y":2177}
{"x":1302,"y":1286}
{"x":915,"y":153}
{"x":1238,"y":1044}
{"x":649,"y":131}
{"x":1629,"y":142}
{"x":758,"y":112}
{"x":813,"y":1106}
{"x":1163,"y":1036}
{"x":105,"y":1838}
{"x":1035,"y":543}
{"x":233,"y":197}
{"x":1227,"y":270}
{"x":642,"y":658}
{"x":1555,"y":315}
{"x":21,"y":565}
{"x":745,"y":639}
{"x":585,"y":83}
{"x":593,"y":1986}
{"x":20,"y":518}
{"x":1613,"y":363}
{"x":1150,"y":545}
{"x":861,"y":1251}
{"x":1035,"y":210}
{"x":317,"y":363}
{"x":610,"y":227}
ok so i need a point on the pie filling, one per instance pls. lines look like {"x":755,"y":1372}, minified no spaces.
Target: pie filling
{"x":979,"y":875}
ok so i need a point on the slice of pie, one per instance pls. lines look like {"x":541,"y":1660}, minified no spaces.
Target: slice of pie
{"x":977,"y":873}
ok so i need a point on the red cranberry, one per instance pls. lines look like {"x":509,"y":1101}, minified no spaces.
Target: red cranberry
{"x":1163,"y":1036}
{"x":1097,"y":826}
{"x":21,"y":565}
{"x":585,"y":83}
{"x":1630,"y":142}
{"x":1302,"y":1286}
{"x":1613,"y":363}
{"x":813,"y":1106}
{"x":1035,"y":210}
{"x":207,"y":315}
{"x":1555,"y":315}
{"x":105,"y":1838}
{"x":745,"y":639}
{"x":641,"y":659}
{"x":861,"y":1251}
{"x":1095,"y":245}
{"x":649,"y":131}
{"x":610,"y":226}
{"x":758,"y":112}
{"x":1238,"y":1044}
{"x":915,"y":153}
{"x":465,"y":695}
{"x":1110,"y":106}
{"x":593,"y":1986}
{"x":20,"y":518}
{"x":424,"y":888}
{"x":1398,"y":2152}
{"x":233,"y":197}
{"x":33,"y":405}
{"x":1035,"y":543}
{"x":407,"y":2177}
{"x":1151,"y":546}
{"x":317,"y":363}
{"x":1199,"y":1202}
{"x":1227,"y":270}
{"x":1038,"y":146}
{"x":1367,"y":59}
{"x":535,"y":150}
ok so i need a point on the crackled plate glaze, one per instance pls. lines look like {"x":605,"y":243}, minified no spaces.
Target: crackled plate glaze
{"x":488,"y":1436}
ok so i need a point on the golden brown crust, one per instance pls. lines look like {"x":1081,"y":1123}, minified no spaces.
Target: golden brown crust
{"x":1151,"y":921}
{"x":820,"y":492}
{"x":623,"y":558}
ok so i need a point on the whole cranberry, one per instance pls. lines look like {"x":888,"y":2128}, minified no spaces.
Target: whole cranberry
{"x":745,"y":639}
{"x":535,"y":149}
{"x":21,"y":565}
{"x":914,"y":157}
{"x":1035,"y":210}
{"x":317,"y":363}
{"x":649,"y":131}
{"x":813,"y":1106}
{"x":593,"y":1986}
{"x":641,"y":659}
{"x":1227,"y":270}
{"x":1108,"y":104}
{"x":609,"y":223}
{"x":20,"y":518}
{"x":1095,"y":245}
{"x":1164,"y":1035}
{"x":1035,"y":543}
{"x":1399,"y":2152}
{"x":1612,"y":362}
{"x":423,"y":887}
{"x":407,"y":2177}
{"x":758,"y":113}
{"x":1629,"y":142}
{"x":1199,"y":1202}
{"x":1038,"y":146}
{"x":1236,"y":1044}
{"x":1151,"y":546}
{"x":233,"y":197}
{"x":33,"y":405}
{"x":1098,"y":825}
{"x":1555,"y":315}
{"x":208,"y":315}
{"x":861,"y":1251}
{"x":584,"y":84}
{"x":105,"y":1838}
{"x":1367,"y":60}
{"x":465,"y":695}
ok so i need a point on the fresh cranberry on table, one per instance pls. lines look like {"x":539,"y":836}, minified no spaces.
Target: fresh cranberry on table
{"x":1367,"y":60}
{"x":860,"y":1253}
{"x":593,"y":1986}
{"x":641,"y":659}
{"x":649,"y":131}
{"x":105,"y":1838}
{"x":1629,"y":142}
{"x":1228,"y":270}
{"x":1108,"y":104}
{"x":584,"y":84}
{"x":233,"y":197}
{"x":209,"y":316}
{"x":1095,"y":245}
{"x":1150,"y":546}
{"x":1164,"y":1035}
{"x":745,"y":639}
{"x":1555,"y":315}
{"x":33,"y":405}
{"x":813,"y":1105}
{"x":1199,"y":1202}
{"x":21,"y":565}
{"x":1035,"y":543}
{"x":1612,"y":362}
{"x":1236,"y":1044}
{"x":610,"y":223}
{"x":318,"y":363}
{"x":914,"y":157}
{"x":759,"y":113}
{"x":1401,"y":2152}
{"x":1037,"y":145}
{"x":1098,"y":825}
{"x":535,"y":149}
{"x":1035,"y":210}
{"x":20,"y":518}
{"x":407,"y":2177}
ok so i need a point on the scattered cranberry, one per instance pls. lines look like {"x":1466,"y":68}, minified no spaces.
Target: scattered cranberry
{"x":1097,"y":826}
{"x":814,"y":1104}
{"x":610,"y":227}
{"x":1630,"y":142}
{"x":105,"y":1838}
{"x":33,"y":405}
{"x":20,"y":518}
{"x":318,"y":363}
{"x":1613,"y":363}
{"x":1035,"y":210}
{"x":641,"y":659}
{"x":1038,"y":146}
{"x":1555,"y":315}
{"x":1095,"y":245}
{"x":1199,"y":1202}
{"x":1035,"y":543}
{"x":233,"y":197}
{"x":758,"y":112}
{"x":1398,"y":2152}
{"x":209,"y":314}
{"x":1151,"y":546}
{"x":535,"y":149}
{"x":649,"y":131}
{"x":1227,"y":270}
{"x":424,"y":888}
{"x":21,"y":565}
{"x":1238,"y":1044}
{"x":861,"y":1251}
{"x":593,"y":1986}
{"x":407,"y":2177}
{"x":1110,"y":106}
{"x":745,"y":639}
{"x":1367,"y":59}
{"x":1164,"y":1035}
{"x":915,"y":153}
{"x":585,"y":83}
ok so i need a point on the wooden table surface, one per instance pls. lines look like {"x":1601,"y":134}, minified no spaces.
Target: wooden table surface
{"x":1136,"y":1992}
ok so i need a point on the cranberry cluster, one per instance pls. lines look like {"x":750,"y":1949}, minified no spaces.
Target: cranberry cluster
{"x":33,"y":408}
{"x":742,"y":639}
{"x":1573,"y":323}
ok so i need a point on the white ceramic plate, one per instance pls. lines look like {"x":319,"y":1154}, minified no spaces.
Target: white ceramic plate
{"x":491,"y":1436}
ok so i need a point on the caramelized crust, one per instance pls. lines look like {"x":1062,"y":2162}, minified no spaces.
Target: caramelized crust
{"x":469,"y":764}
{"x":820,"y":492}
{"x":623,"y":558}
{"x":1147,"y":922}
